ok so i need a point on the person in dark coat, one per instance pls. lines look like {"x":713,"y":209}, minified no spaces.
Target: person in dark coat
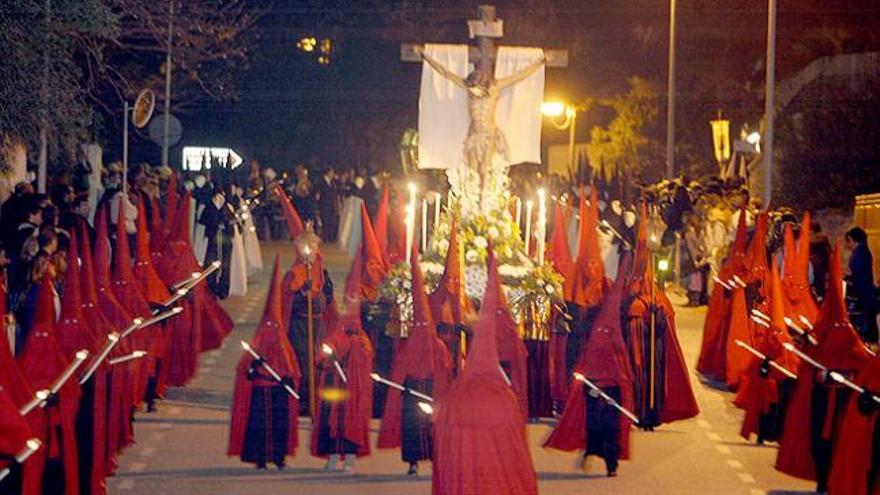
{"x":861,"y":279}
{"x":326,"y":195}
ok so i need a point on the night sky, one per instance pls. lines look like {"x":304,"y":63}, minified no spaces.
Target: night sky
{"x":352,"y":112}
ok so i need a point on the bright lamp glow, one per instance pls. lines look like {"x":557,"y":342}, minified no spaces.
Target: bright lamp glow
{"x":663,"y":265}
{"x":553,"y":108}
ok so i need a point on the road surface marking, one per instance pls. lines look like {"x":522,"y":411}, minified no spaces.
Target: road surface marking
{"x":734,"y":464}
{"x":714,"y":437}
{"x":723,"y":449}
{"x":746,"y":477}
{"x":703,"y":423}
{"x":755,"y":491}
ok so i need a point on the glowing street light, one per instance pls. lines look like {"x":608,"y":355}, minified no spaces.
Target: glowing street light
{"x":552,"y":109}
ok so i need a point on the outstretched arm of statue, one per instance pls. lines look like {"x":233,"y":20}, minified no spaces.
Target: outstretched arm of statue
{"x":443,"y":71}
{"x":528,"y":71}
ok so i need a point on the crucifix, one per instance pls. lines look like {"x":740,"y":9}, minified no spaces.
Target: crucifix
{"x":483,"y":89}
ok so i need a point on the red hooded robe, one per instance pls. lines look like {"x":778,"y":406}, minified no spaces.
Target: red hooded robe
{"x":423,"y":356}
{"x":479,"y":431}
{"x":348,"y":419}
{"x":270,"y":342}
{"x":74,"y":334}
{"x":603,"y":360}
{"x":839,"y":348}
{"x":677,"y":396}
{"x":42,"y":361}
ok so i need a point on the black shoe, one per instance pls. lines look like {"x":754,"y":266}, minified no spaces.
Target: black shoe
{"x":281,"y":466}
{"x":151,"y":407}
{"x":261,"y":466}
{"x":612,"y":474}
{"x":413,"y":469}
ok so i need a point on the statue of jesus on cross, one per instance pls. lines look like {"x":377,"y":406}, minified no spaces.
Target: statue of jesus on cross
{"x":484,"y":138}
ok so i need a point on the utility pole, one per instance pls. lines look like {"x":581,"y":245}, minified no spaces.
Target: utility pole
{"x":769,"y":105}
{"x":166,"y":138}
{"x":670,"y":98}
{"x":43,"y":154}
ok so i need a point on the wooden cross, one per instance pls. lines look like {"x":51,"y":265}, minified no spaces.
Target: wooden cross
{"x":485,"y":29}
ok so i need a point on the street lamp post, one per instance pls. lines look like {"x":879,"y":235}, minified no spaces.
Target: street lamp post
{"x":670,"y":98}
{"x":556,"y":109}
{"x":769,"y":105}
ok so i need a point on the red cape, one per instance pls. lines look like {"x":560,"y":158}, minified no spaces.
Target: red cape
{"x":679,"y":401}
{"x":270,"y":342}
{"x":479,"y":431}
{"x":758,"y":393}
{"x":422,"y":356}
{"x":352,"y":347}
{"x":41,"y":362}
{"x":722,"y":316}
{"x":605,"y":361}
{"x":839,"y":348}
{"x":119,"y":432}
{"x":75,"y":334}
{"x":853,"y":457}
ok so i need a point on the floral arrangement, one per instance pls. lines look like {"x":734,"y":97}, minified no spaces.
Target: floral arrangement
{"x":535,"y":286}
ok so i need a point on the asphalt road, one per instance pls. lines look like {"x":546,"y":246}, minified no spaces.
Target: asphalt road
{"x":181,"y":448}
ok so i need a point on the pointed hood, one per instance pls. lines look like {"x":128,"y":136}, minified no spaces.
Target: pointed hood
{"x":512,"y":350}
{"x":423,"y":355}
{"x":777,"y":334}
{"x":642,"y":272}
{"x":158,"y":239}
{"x":152,"y":287}
{"x":560,"y":253}
{"x":72,"y":330}
{"x":269,"y":340}
{"x":757,"y":252}
{"x":448,"y":302}
{"x":483,"y":361}
{"x":381,"y":221}
{"x":479,"y":398}
{"x":839,"y":345}
{"x":42,"y":359}
{"x":374,"y":267}
{"x":125,"y":286}
{"x":795,"y":276}
{"x":587,"y":282}
{"x":604,"y":357}
{"x":294,"y":222}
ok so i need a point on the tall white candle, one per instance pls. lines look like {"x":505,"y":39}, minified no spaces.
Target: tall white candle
{"x":518,"y":203}
{"x":437,"y":199}
{"x":542,"y":224}
{"x":528,"y":225}
{"x":410,"y":220}
{"x":424,"y":225}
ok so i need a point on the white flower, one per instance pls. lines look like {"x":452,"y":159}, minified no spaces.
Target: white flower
{"x":493,"y":232}
{"x":443,"y":244}
{"x":481,"y":242}
{"x":550,"y":289}
{"x":471,"y":255}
